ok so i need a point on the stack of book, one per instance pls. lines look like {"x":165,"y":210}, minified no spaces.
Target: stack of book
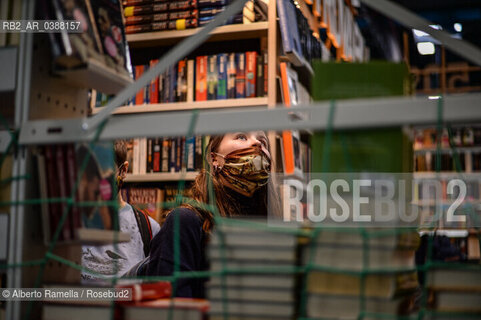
{"x":455,"y":292}
{"x":158,"y":15}
{"x":258,"y":281}
{"x":350,"y":274}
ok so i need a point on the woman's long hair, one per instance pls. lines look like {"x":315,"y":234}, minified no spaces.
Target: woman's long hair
{"x":227,"y":205}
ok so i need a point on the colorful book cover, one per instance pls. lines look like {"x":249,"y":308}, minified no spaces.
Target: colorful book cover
{"x":240,"y":79}
{"x":291,"y":42}
{"x":251,"y":74}
{"x":222,"y":76}
{"x":212,"y":77}
{"x":110,"y":27}
{"x":96,"y":188}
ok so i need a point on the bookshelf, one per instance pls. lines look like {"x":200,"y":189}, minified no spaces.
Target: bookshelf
{"x":161,"y":177}
{"x":179,"y":106}
{"x":23,"y":236}
{"x":222,"y":33}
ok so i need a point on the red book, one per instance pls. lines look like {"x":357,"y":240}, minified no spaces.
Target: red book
{"x":52,"y":190}
{"x":251,"y":74}
{"x":139,"y":97}
{"x":201,"y":78}
{"x":154,"y":84}
{"x":72,"y":180}
{"x":149,"y":291}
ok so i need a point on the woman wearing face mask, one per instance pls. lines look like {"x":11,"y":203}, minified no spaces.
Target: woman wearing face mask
{"x":240,"y":172}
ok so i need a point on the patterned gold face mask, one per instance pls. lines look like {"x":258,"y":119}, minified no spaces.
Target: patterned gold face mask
{"x":245,"y":170}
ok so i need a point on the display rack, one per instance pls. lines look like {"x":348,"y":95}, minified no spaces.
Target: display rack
{"x":29,"y":108}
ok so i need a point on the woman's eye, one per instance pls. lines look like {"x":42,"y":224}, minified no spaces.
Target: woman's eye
{"x":241,"y":136}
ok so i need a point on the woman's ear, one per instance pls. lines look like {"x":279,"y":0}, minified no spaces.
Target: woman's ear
{"x":124,"y":170}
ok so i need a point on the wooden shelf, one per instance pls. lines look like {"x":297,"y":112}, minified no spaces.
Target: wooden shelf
{"x":178,"y":106}
{"x":223,"y":33}
{"x":97,"y":76}
{"x":162,"y":176}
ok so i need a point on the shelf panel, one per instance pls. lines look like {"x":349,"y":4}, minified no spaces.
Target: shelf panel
{"x":161,"y":176}
{"x":223,"y":33}
{"x":449,"y":150}
{"x":446,"y":174}
{"x":97,"y":76}
{"x":178,"y":106}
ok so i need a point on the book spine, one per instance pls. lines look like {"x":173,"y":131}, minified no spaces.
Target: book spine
{"x":211,"y":3}
{"x":222,"y":76}
{"x":150,"y":152}
{"x":173,"y":154}
{"x":182,"y":81}
{"x":182,"y":5}
{"x":165,"y":155}
{"x":231,"y":75}
{"x":190,"y":80}
{"x":146,"y":88}
{"x":187,"y":14}
{"x":157,"y":152}
{"x":201,"y":78}
{"x":210,"y":11}
{"x":240,"y":80}
{"x":251,"y":63}
{"x":198,"y":152}
{"x":166,"y":86}
{"x":136,"y":156}
{"x":178,"y":154}
{"x":139,"y":97}
{"x":143,"y":155}
{"x":260,"y":76}
{"x":173,"y":83}
{"x":265,"y":74}
{"x":212,"y":77}
{"x":190,"y":148}
{"x":154,"y":85}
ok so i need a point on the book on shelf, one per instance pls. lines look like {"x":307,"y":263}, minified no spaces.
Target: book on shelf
{"x":222,"y":76}
{"x":251,"y":73}
{"x":240,"y":78}
{"x":109,"y":22}
{"x":231,"y":76}
{"x":291,"y":43}
{"x":75,"y":49}
{"x":145,"y":198}
{"x":201,"y":78}
{"x":212,"y":75}
{"x":89,"y":166}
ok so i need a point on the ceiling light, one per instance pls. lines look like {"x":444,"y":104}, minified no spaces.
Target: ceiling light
{"x":425,"y":48}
